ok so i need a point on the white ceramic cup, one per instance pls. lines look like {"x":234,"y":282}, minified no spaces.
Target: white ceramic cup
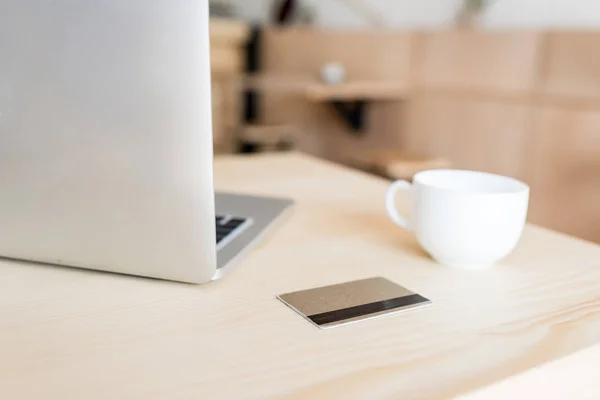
{"x":463,"y":218}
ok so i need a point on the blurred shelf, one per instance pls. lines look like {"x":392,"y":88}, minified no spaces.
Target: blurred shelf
{"x":350,"y":99}
{"x":314,"y":90}
{"x":357,"y":90}
{"x":287,"y":84}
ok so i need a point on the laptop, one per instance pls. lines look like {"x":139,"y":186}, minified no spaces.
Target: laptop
{"x":106,"y":148}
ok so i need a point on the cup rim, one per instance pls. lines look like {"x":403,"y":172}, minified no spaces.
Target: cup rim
{"x":517,"y":186}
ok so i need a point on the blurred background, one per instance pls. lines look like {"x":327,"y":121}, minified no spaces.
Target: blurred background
{"x":392,"y":87}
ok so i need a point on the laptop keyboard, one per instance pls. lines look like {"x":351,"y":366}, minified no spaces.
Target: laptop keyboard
{"x":229,"y":227}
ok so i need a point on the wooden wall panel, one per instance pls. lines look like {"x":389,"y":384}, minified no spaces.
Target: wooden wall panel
{"x":382,"y":55}
{"x":565,"y":171}
{"x":473,"y":133}
{"x":478,"y":59}
{"x":375,"y":55}
{"x":325,"y":135}
{"x":572,"y":65}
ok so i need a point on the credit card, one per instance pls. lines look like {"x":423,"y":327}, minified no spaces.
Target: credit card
{"x":344,"y":303}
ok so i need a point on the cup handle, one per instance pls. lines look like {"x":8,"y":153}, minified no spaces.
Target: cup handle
{"x":390,"y":203}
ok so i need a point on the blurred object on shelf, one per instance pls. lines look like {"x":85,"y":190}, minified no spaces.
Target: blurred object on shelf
{"x":268,"y":138}
{"x":333,"y":73}
{"x":395,"y":164}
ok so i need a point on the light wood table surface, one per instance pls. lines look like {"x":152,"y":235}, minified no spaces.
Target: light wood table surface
{"x":74,"y":334}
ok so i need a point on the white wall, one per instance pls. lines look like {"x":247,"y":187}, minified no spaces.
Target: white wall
{"x":336,"y":14}
{"x":395,"y":13}
{"x":544,"y":13}
{"x":253,"y":10}
{"x":436,"y":13}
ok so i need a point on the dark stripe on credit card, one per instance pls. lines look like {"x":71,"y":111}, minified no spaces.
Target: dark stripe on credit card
{"x":332,"y":317}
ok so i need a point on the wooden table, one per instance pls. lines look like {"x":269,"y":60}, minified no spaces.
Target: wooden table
{"x":72,"y":334}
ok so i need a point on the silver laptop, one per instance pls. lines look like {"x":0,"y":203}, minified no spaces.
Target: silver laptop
{"x":106,"y":156}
